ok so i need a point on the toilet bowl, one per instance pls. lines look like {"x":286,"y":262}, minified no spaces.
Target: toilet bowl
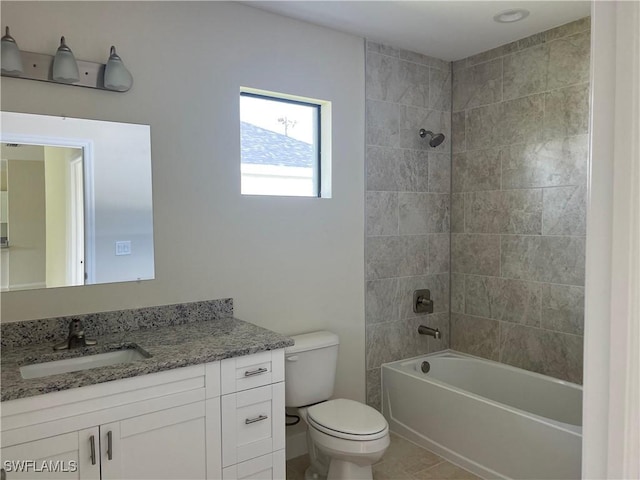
{"x":344,"y":437}
{"x":354,"y":436}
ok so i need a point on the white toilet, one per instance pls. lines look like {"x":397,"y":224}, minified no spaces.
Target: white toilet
{"x":344,"y":438}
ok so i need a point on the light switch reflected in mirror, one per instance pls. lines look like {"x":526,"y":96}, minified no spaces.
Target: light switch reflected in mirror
{"x":76,"y":202}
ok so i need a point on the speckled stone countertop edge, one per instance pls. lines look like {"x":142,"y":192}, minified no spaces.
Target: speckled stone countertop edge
{"x":169,"y":348}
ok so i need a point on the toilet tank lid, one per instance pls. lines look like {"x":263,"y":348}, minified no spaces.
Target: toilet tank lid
{"x":312,"y":341}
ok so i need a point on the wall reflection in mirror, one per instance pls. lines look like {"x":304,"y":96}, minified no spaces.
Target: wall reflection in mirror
{"x":76,"y":203}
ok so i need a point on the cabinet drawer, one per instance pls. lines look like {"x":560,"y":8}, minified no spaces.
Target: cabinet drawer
{"x":266,"y":467}
{"x":251,"y":371}
{"x":252,"y":423}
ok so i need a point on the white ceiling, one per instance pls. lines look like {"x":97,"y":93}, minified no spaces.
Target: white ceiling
{"x":445,"y":29}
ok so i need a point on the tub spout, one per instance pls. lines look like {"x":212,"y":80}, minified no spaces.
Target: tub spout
{"x":433,"y":332}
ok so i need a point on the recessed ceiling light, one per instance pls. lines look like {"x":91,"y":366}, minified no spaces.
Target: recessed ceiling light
{"x":513,"y":15}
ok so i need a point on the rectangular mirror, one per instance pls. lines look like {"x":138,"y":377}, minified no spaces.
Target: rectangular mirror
{"x":75,"y":202}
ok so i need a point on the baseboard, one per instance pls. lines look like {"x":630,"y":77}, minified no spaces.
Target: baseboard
{"x":296,"y":445}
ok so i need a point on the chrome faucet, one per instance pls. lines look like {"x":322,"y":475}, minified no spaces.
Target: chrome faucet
{"x":432,"y":332}
{"x":76,"y":337}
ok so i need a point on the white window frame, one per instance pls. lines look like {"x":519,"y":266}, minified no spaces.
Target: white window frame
{"x":322,"y":167}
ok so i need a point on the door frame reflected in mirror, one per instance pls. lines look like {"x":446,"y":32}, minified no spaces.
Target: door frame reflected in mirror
{"x":117,"y":188}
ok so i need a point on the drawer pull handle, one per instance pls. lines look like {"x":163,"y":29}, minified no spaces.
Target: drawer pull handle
{"x":259,"y":418}
{"x":92,"y":442}
{"x":109,"y":445}
{"x":257,"y":371}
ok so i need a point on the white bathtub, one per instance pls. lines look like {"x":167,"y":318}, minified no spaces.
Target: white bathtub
{"x":495,"y":420}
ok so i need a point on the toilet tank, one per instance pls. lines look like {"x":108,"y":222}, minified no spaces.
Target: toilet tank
{"x":310,"y":368}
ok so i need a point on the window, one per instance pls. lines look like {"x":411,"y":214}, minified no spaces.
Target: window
{"x":280,"y":145}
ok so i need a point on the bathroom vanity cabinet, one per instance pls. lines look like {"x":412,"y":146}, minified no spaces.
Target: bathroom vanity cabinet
{"x":222,"y":419}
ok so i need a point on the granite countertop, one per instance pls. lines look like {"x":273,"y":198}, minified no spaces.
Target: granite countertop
{"x":169,"y":347}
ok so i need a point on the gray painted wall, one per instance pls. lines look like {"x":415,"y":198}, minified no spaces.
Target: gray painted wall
{"x":519,"y":167}
{"x":407,"y":205}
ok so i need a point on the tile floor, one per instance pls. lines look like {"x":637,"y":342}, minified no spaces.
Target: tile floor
{"x":402,"y":461}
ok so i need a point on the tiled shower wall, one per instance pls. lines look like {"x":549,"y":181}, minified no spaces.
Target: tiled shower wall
{"x":407,"y":205}
{"x":520,"y":152}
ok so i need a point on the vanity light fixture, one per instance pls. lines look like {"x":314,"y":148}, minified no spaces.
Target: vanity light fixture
{"x":512,"y":15}
{"x":64,"y":68}
{"x":116,"y":75}
{"x":11,"y":58}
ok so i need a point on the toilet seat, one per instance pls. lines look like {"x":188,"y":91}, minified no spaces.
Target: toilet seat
{"x":348,"y":419}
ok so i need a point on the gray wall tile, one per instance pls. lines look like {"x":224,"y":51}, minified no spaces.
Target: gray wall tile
{"x":514,"y":121}
{"x":581,"y":25}
{"x":519,"y":179}
{"x":457,"y":213}
{"x":563,"y":161}
{"x":383,"y":257}
{"x":532,"y":41}
{"x":415,"y":258}
{"x":458,"y":65}
{"x":374,"y":390}
{"x":521,"y":120}
{"x":510,"y":211}
{"x":475,"y":254}
{"x":440,"y":89}
{"x":383,"y":123}
{"x":476,"y":170}
{"x":382,"y":168}
{"x":439,"y":253}
{"x":425,"y":60}
{"x":566,"y":112}
{"x":565,"y":211}
{"x":440,"y":169}
{"x":477,"y":85}
{"x":405,"y":92}
{"x":569,"y":61}
{"x":394,"y":80}
{"x":380,"y":301}
{"x":550,"y":353}
{"x":457,"y":292}
{"x":525,"y":72}
{"x":543,"y":259}
{"x":475,"y":335}
{"x":384,"y":343}
{"x":381,"y":213}
{"x":384,"y":49}
{"x":488,"y":55}
{"x":412,"y":119}
{"x":503,"y":299}
{"x":458,"y":132}
{"x":441,"y":322}
{"x":413,"y":171}
{"x":422,"y":213}
{"x":388,"y":342}
{"x":438,"y":285}
{"x":563,"y":308}
{"x":484,"y":127}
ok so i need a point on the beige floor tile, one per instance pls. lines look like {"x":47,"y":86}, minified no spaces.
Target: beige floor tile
{"x":299,"y":464}
{"x":294,"y":474}
{"x":403,"y":460}
{"x":444,"y":471}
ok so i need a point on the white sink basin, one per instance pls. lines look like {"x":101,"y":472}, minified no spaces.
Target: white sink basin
{"x":67,"y":365}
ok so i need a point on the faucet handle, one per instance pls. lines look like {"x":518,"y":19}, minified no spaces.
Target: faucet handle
{"x":422,"y":302}
{"x":76,"y":328}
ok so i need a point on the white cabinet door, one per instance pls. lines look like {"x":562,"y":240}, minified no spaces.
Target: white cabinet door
{"x":168,"y":444}
{"x":67,"y":456}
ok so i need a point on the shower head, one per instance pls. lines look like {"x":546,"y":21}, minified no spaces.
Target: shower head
{"x":435,"y":138}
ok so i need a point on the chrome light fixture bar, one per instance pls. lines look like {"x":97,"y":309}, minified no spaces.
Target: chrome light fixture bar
{"x":60,"y":69}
